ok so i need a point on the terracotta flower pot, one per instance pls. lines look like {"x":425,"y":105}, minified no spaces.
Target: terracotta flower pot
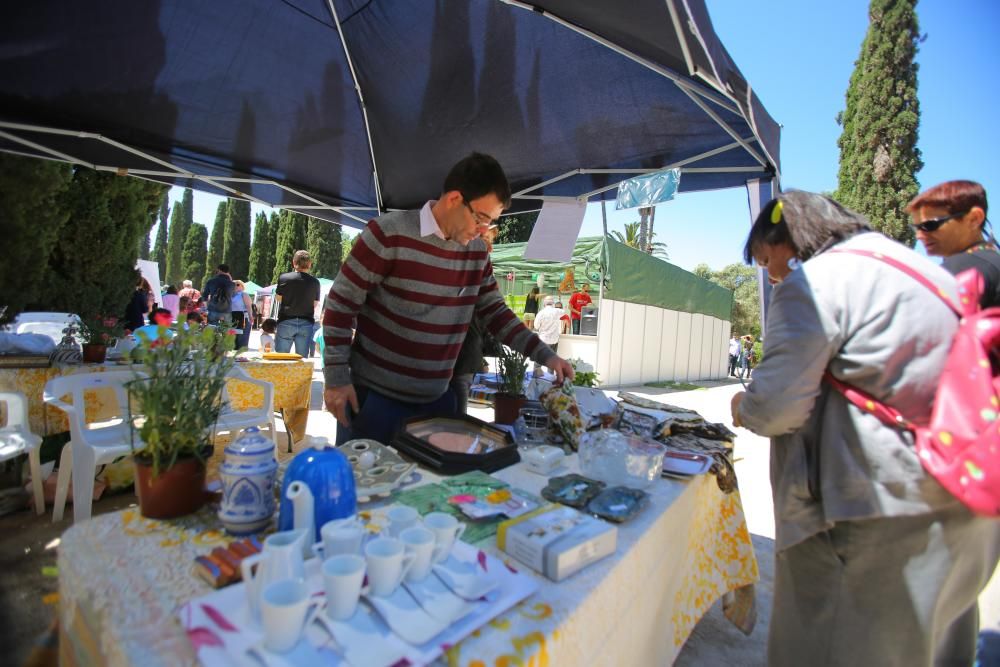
{"x":175,"y":492}
{"x":94,"y":353}
{"x":506,"y":407}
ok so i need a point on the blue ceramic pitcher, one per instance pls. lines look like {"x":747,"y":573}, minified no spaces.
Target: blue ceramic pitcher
{"x":330,"y":478}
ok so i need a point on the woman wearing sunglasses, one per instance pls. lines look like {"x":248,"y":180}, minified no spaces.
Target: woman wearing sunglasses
{"x":875,"y":562}
{"x":950,"y":220}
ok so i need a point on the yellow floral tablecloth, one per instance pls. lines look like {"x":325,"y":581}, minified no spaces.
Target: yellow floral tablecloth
{"x":122,"y":578}
{"x":292,"y":382}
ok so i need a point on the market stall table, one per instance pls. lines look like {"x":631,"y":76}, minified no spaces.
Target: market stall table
{"x":122,"y":579}
{"x":292,"y":382}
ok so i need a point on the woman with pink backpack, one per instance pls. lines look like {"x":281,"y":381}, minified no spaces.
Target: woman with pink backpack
{"x":876,"y":562}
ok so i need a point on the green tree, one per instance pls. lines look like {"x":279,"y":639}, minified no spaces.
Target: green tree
{"x":108,"y":215}
{"x":291,"y":237}
{"x":742,"y":280}
{"x":631,"y":238}
{"x":175,"y":246}
{"x":159,"y":254}
{"x":323,"y":241}
{"x":261,"y":263}
{"x":215,"y":245}
{"x":33,"y":213}
{"x":195,"y":250}
{"x":516,"y":228}
{"x":236,"y":239}
{"x":348,"y":247}
{"x":879,"y":157}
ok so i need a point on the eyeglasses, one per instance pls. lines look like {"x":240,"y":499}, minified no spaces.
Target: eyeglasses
{"x":934,"y":224}
{"x":480,"y":217}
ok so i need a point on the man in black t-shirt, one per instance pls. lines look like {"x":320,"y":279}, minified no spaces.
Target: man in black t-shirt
{"x":950,"y":219}
{"x":218,"y":294}
{"x":297,"y":294}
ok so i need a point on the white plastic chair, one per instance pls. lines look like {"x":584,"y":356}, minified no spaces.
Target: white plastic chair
{"x":89,"y":446}
{"x":16,"y":438}
{"x":235,"y":420}
{"x":48,"y":324}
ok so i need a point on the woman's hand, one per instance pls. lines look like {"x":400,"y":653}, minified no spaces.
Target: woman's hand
{"x":734,"y":406}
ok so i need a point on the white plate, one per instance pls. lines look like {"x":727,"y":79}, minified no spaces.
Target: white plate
{"x":406,"y":617}
{"x":467,"y":579}
{"x":363,"y":640}
{"x":438,"y":600}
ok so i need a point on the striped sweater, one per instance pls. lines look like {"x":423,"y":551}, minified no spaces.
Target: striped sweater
{"x":410,"y":300}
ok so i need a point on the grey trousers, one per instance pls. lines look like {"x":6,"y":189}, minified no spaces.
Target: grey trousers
{"x":893,"y":591}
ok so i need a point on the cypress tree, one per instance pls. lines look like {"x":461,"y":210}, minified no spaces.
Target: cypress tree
{"x":291,"y":237}
{"x":323,"y":241}
{"x":159,"y":254}
{"x":175,"y":246}
{"x":195,"y":251}
{"x":879,"y":158}
{"x":260,"y":265}
{"x":34,"y":211}
{"x":187,"y":204}
{"x":236,"y":239}
{"x":215,"y":245}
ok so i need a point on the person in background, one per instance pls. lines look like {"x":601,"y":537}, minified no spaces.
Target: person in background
{"x":576,"y":304}
{"x":548,"y":325}
{"x":171,"y":301}
{"x":268,"y":327}
{"x":218,"y":294}
{"x":564,"y":318}
{"x":531,"y":307}
{"x":297,"y":293}
{"x":138,"y":305}
{"x":194,"y":319}
{"x":159,"y":326}
{"x":183,"y":308}
{"x":734,"y":354}
{"x":875,"y":562}
{"x":950,"y":220}
{"x":241,"y":309}
{"x":190,"y":292}
{"x":746,"y":356}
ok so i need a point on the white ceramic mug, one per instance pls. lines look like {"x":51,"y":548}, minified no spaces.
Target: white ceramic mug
{"x":402,"y":517}
{"x":284,"y":606}
{"x":342,"y":579}
{"x":420,"y":542}
{"x":447,"y":530}
{"x":342,"y":536}
{"x":281,"y":559}
{"x":388,"y":563}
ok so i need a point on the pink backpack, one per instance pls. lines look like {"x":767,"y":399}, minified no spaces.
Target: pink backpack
{"x":960,"y":447}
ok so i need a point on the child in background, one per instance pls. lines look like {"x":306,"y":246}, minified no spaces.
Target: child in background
{"x":268,"y":327}
{"x":194,"y":319}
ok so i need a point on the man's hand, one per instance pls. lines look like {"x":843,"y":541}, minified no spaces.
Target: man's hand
{"x":337,"y":399}
{"x":734,"y":406}
{"x":562,"y":368}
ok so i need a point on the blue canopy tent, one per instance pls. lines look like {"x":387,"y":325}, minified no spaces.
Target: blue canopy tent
{"x":340,"y":109}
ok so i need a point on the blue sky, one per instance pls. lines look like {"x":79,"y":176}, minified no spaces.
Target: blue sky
{"x":799,"y":56}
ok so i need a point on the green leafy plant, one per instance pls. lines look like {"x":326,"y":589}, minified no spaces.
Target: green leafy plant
{"x":511,"y":370}
{"x":100,"y":330}
{"x":178,"y":394}
{"x":584,"y":374}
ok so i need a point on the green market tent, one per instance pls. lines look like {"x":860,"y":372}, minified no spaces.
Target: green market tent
{"x":250,"y":287}
{"x":629,"y":275}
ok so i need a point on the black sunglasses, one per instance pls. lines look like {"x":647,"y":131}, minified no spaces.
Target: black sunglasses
{"x":934,"y":224}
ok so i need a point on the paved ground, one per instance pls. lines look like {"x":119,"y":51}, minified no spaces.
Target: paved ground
{"x":28,"y":546}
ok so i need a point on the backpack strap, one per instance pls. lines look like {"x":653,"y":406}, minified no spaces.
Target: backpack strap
{"x":908,"y":270}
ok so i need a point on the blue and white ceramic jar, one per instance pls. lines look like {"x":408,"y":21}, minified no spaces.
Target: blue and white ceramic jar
{"x":248,"y":475}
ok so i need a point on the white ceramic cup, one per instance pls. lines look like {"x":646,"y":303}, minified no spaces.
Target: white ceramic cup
{"x":420,"y":542}
{"x":388,"y":563}
{"x":284,"y":606}
{"x":342,"y":579}
{"x":447,"y":530}
{"x":402,"y":517}
{"x":342,"y":536}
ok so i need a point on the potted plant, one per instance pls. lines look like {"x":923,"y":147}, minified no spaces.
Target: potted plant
{"x":96,"y":334}
{"x":584,"y":374}
{"x":177,"y":395}
{"x":511,"y":370}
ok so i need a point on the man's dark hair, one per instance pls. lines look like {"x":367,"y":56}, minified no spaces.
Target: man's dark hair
{"x":953,"y":196}
{"x":223,"y":268}
{"x":476,"y":176}
{"x":808,"y":222}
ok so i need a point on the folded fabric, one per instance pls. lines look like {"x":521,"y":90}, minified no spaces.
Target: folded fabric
{"x":26,"y":343}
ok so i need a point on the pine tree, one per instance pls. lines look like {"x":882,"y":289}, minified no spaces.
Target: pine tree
{"x":175,"y":246}
{"x":236,"y":239}
{"x":34,"y":212}
{"x":216,"y":244}
{"x":291,"y":237}
{"x":159,"y":254}
{"x":323,"y":242}
{"x":879,"y":157}
{"x":195,"y":252}
{"x":260,"y":254}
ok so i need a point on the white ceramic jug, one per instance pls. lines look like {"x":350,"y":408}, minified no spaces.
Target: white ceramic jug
{"x":281,"y":559}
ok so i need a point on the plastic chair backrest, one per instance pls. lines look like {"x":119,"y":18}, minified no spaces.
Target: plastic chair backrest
{"x":77,"y":386}
{"x":16,"y":409}
{"x":47,"y":324}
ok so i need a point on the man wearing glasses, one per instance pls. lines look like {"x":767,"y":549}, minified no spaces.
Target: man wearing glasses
{"x":409,"y":290}
{"x":950,"y":220}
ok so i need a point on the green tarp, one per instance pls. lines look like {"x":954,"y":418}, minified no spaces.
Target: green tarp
{"x":630,"y":276}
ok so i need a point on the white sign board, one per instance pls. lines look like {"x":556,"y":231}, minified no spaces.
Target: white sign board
{"x":151,"y":272}
{"x":556,"y":230}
